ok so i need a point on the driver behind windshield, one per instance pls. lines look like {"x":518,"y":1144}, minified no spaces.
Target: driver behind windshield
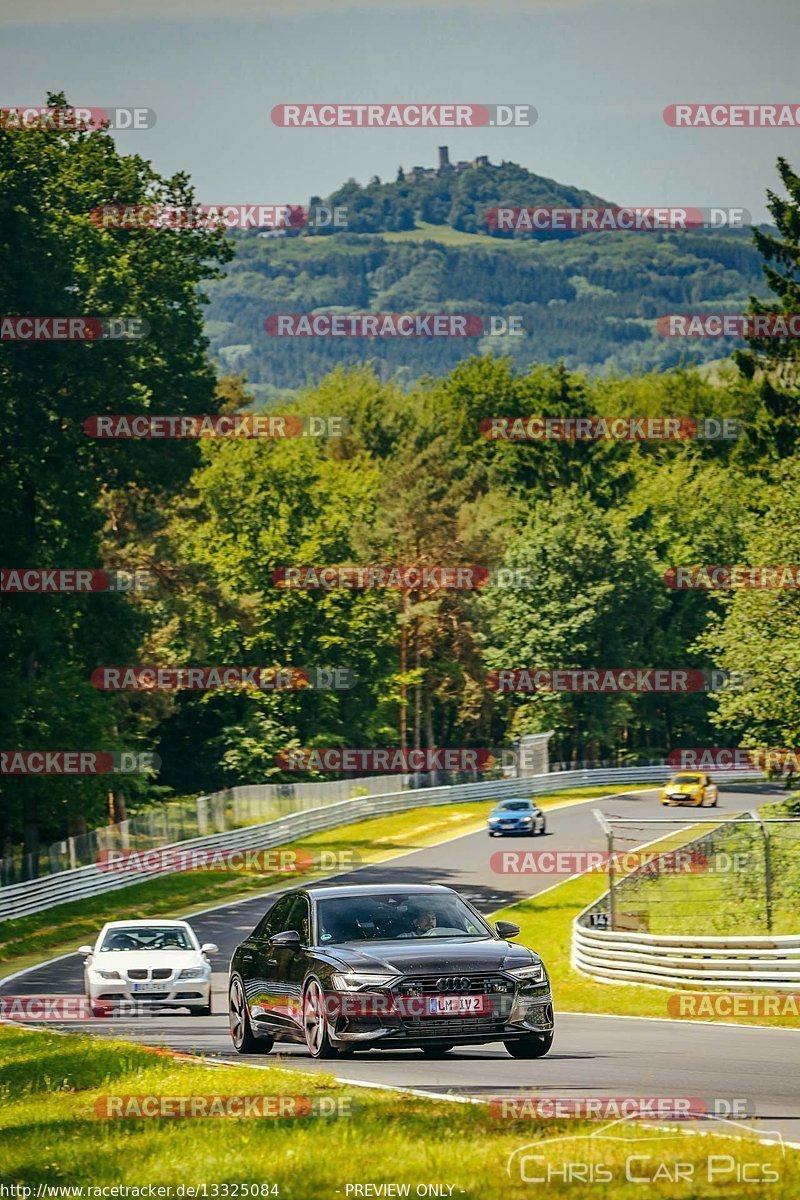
{"x":423,"y":922}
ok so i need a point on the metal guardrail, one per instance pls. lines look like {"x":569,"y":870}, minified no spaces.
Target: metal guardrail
{"x":35,"y":895}
{"x":180,"y":820}
{"x":732,"y":963}
{"x":687,"y":961}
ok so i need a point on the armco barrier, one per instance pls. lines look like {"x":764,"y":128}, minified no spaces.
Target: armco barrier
{"x":180,"y":820}
{"x":22,"y":899}
{"x":732,"y":963}
{"x":770,"y":963}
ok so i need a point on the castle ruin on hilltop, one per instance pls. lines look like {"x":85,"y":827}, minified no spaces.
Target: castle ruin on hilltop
{"x":445,"y":167}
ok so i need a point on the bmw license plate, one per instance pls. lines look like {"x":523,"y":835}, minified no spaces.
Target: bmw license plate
{"x":459,"y":1006}
{"x":151,"y":987}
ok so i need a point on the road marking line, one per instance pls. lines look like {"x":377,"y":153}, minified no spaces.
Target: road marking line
{"x":679,"y":1020}
{"x":276,"y":891}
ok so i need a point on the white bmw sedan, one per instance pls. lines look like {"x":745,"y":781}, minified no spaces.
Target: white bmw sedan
{"x":148,"y":964}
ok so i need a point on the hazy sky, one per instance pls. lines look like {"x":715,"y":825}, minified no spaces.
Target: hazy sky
{"x":599,"y":72}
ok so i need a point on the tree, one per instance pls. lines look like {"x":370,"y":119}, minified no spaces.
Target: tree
{"x":775,"y":362}
{"x":758,"y":630}
{"x":592,"y":600}
{"x":66,"y":494}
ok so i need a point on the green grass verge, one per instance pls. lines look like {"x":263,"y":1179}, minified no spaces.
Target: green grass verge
{"x":52,"y":1135}
{"x":546,"y":925}
{"x":731,"y":896}
{"x":61,"y":929}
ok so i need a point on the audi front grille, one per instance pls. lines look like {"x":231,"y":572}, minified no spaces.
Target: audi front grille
{"x":453,"y":985}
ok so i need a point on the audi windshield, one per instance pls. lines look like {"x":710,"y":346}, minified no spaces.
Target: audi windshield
{"x":397,"y":917}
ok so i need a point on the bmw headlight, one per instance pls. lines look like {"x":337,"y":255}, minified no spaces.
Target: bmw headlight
{"x":109,"y":974}
{"x":354,"y":981}
{"x":534,"y":973}
{"x":194,"y":973}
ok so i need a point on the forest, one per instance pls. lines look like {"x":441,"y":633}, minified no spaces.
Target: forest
{"x":406,"y":477}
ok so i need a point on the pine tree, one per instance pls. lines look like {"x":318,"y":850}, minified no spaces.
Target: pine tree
{"x":776,"y":361}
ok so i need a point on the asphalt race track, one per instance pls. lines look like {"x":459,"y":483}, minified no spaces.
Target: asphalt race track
{"x":591,"y":1055}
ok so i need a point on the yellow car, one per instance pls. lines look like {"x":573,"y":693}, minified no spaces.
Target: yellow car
{"x":690,"y":788}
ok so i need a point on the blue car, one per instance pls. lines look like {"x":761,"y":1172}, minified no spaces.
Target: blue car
{"x":516,"y":816}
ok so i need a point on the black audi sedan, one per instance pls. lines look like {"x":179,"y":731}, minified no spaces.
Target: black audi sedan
{"x":365,"y":967}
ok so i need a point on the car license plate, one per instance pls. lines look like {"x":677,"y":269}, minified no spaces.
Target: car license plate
{"x":458,"y":1006}
{"x":151,"y":987}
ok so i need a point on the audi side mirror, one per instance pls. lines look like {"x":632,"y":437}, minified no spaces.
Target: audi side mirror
{"x":289,"y":937}
{"x":507,"y":929}
{"x":209,"y":948}
{"x":85,"y":950}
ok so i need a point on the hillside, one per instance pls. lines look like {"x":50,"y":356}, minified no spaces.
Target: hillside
{"x":422,"y":244}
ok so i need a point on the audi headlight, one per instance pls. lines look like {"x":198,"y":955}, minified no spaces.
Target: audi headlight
{"x":109,"y":974}
{"x":194,"y":973}
{"x":354,"y":981}
{"x":535,"y":973}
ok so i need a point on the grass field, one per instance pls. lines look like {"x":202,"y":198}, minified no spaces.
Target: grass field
{"x":425,"y":232}
{"x":546,"y":925}
{"x":61,"y":929}
{"x":51,"y":1135}
{"x":730,"y":897}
